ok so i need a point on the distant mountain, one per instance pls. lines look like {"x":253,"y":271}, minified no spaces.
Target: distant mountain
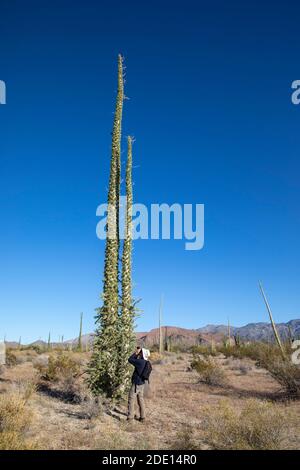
{"x":215,"y":329}
{"x":256,"y":331}
{"x":204,"y":335}
{"x":39,"y":343}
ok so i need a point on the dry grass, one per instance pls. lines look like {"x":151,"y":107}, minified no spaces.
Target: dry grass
{"x":177,"y":405}
{"x":11,"y":358}
{"x":269,"y":357}
{"x":260,"y":425}
{"x":238,"y":365}
{"x":15,"y":419}
{"x":282,"y":370}
{"x":185,"y":439}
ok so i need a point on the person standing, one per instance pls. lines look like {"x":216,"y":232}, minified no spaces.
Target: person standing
{"x":139,"y":360}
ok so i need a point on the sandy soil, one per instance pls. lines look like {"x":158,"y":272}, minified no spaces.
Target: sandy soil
{"x":175,"y":401}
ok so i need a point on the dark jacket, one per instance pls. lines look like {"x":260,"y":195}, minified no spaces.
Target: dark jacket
{"x":139,"y":365}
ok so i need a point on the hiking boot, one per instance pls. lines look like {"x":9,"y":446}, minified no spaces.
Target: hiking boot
{"x":142,"y":420}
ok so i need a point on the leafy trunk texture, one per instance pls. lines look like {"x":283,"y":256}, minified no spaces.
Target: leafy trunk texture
{"x":126,"y":320}
{"x":102,"y":368}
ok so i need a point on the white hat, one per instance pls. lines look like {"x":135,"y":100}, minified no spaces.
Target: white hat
{"x":146,"y":354}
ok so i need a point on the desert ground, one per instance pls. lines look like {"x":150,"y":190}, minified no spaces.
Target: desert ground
{"x":62,"y":414}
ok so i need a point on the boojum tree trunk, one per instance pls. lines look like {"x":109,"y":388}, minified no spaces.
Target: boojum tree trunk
{"x":103,"y":366}
{"x":126,"y":322}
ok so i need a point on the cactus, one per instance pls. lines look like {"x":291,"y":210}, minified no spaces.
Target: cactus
{"x":290,"y":335}
{"x":237,"y":340}
{"x":80,"y":334}
{"x":166,"y":340}
{"x":160,"y":344}
{"x":228,"y":333}
{"x":49,"y":342}
{"x":102,"y":369}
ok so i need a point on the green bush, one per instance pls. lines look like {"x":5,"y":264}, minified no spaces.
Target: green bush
{"x":239,"y":352}
{"x":59,"y":367}
{"x":204,"y":349}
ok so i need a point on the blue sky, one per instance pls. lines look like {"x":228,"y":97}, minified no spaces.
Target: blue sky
{"x":210,"y":108}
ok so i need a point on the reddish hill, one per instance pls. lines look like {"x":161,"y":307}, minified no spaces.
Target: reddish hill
{"x":174,"y":334}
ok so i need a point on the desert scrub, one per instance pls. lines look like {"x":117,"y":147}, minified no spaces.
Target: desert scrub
{"x":250,"y":350}
{"x":204,"y":349}
{"x":239,"y":365}
{"x":15,"y":419}
{"x":91,"y":407}
{"x":208,"y":370}
{"x":10,"y":358}
{"x":60,"y":367}
{"x":59,"y":378}
{"x":184,"y":439}
{"x":281,"y":369}
{"x":259,"y":426}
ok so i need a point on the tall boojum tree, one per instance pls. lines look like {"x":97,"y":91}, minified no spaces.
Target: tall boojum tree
{"x":112,"y":332}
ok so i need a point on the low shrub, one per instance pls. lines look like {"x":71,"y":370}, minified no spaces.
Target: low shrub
{"x":259,"y":426}
{"x":58,"y":377}
{"x":269,"y":357}
{"x":184,"y":439}
{"x":281,"y":369}
{"x":15,"y":419}
{"x":179,"y":348}
{"x":249,"y":350}
{"x":91,"y":407}
{"x":60,"y":367}
{"x":208,"y":370}
{"x":10,"y":358}
{"x":204,"y":350}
